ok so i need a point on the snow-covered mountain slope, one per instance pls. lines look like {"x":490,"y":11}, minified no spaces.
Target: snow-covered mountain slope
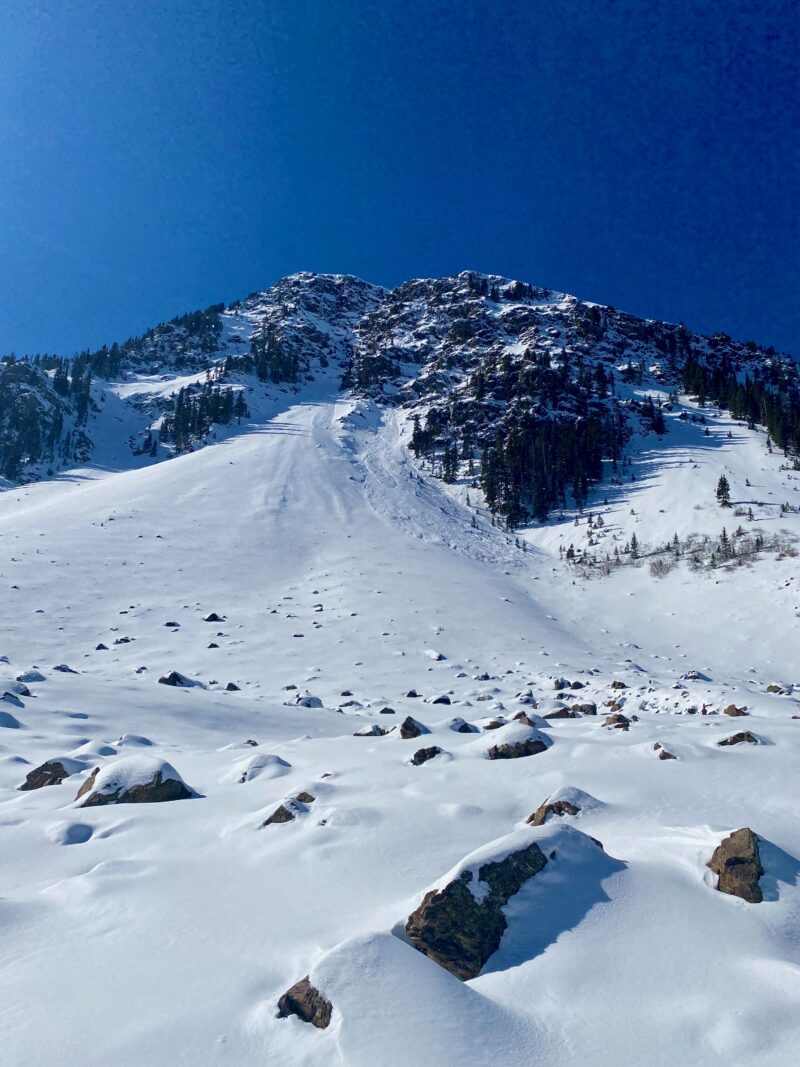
{"x":341,"y":575}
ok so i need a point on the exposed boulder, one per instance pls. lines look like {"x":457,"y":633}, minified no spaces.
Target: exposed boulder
{"x":459,"y":925}
{"x":733,"y":711}
{"x":232,"y":687}
{"x":516,"y":741}
{"x":422,"y":755}
{"x":372,"y":730}
{"x":133,"y":780}
{"x":443,"y":699}
{"x":461,"y":726}
{"x":618,"y":684}
{"x":563,"y":713}
{"x":588,"y":708}
{"x":387,"y":711}
{"x":62,"y":668}
{"x":663,"y":753}
{"x":8,"y":721}
{"x":411,"y":728}
{"x":213,"y":617}
{"x":737,"y":862}
{"x":51,"y":772}
{"x":307,"y":1003}
{"x":744,"y":737}
{"x":617,"y":721}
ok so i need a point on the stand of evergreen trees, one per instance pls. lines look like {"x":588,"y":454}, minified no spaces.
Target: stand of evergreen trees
{"x":769,"y":397}
{"x":195,"y":412}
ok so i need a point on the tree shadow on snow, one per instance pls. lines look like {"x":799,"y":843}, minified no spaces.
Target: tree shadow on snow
{"x":551,"y":904}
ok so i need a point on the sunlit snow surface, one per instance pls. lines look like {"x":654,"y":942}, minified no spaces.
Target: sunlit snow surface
{"x":165,"y":933}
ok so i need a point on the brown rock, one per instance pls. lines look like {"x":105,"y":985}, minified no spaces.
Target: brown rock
{"x":51,"y":772}
{"x":744,"y":737}
{"x":737,"y":862}
{"x":307,"y":1003}
{"x":411,"y":728}
{"x":617,"y":721}
{"x":529,"y":746}
{"x":281,"y":814}
{"x":733,"y":711}
{"x":422,"y":755}
{"x":557,"y":807}
{"x":459,"y":932}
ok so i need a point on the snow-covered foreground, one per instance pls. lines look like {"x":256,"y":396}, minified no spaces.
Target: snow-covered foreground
{"x":165,"y":933}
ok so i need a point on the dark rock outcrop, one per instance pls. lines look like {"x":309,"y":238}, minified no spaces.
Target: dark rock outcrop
{"x":517,"y":748}
{"x":459,"y":931}
{"x":737,"y":862}
{"x":307,"y":1003}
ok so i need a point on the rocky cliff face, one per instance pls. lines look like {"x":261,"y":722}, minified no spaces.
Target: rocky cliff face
{"x":530,"y":394}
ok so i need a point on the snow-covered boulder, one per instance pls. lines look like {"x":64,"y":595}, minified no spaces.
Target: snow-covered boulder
{"x":460,"y":921}
{"x":133,"y":780}
{"x":565,"y":801}
{"x":33,"y":675}
{"x":180,"y":681}
{"x":515,"y":741}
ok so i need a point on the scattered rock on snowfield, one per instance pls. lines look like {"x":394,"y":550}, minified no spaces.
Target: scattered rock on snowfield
{"x":737,"y":862}
{"x":372,"y":730}
{"x":663,"y":753}
{"x":212,"y":617}
{"x":585,"y":709}
{"x":565,"y":801}
{"x":437,"y":657}
{"x":8,"y":721}
{"x":733,"y":711}
{"x":617,"y":721}
{"x":411,"y":728}
{"x":305,"y":700}
{"x":290,"y":809}
{"x":51,"y":772}
{"x":617,"y":684}
{"x":422,"y":755}
{"x":744,"y":737}
{"x":444,"y":699}
{"x":232,"y":687}
{"x":283,"y":813}
{"x":61,"y":667}
{"x":459,"y":925}
{"x":461,"y":726}
{"x":181,"y":681}
{"x":133,"y":780}
{"x":563,"y":713}
{"x":516,"y":741}
{"x":307,"y":1003}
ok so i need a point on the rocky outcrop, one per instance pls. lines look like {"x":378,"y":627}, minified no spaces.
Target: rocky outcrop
{"x":460,"y":925}
{"x":307,"y":1003}
{"x":737,"y":862}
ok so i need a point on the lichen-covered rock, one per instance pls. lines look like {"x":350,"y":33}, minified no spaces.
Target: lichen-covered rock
{"x":133,"y":780}
{"x":744,"y":737}
{"x":460,"y":925}
{"x":51,"y":772}
{"x":737,"y":862}
{"x":307,"y":1003}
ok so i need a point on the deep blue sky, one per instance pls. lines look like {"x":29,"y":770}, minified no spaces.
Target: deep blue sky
{"x":161,"y":155}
